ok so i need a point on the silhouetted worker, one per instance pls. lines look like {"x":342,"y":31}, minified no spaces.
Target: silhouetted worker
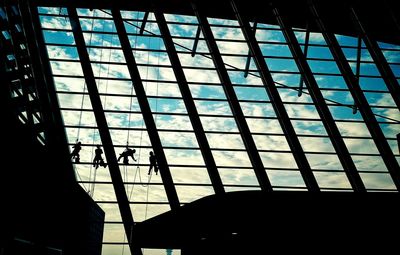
{"x":128,"y":152}
{"x":75,"y":152}
{"x":153,"y":163}
{"x":98,"y":159}
{"x":398,"y":141}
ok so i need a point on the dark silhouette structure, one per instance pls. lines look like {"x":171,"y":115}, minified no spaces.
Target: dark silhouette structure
{"x":287,"y":112}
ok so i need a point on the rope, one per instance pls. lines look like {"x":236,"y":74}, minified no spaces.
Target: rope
{"x":155,"y":118}
{"x":129,"y":122}
{"x":94,"y":182}
{"x":137,"y":172}
{"x":91,"y":167}
{"x":109,"y":61}
{"x":147,"y":200}
{"x":141,"y":130}
{"x":84,"y":85}
{"x":79,"y":177}
{"x":90,"y":186}
{"x":101,"y":57}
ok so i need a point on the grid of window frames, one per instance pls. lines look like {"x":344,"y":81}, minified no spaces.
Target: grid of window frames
{"x":145,"y":192}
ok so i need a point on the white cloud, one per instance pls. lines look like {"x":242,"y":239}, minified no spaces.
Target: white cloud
{"x":55,"y":22}
{"x":229,"y":159}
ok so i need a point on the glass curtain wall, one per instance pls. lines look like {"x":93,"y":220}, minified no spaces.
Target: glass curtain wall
{"x":126,"y":125}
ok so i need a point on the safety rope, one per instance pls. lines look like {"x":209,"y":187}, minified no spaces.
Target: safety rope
{"x":93,"y":181}
{"x":90,"y":186}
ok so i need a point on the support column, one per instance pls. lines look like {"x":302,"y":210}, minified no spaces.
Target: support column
{"x":276,"y":101}
{"x":240,"y":119}
{"x":320,"y":104}
{"x":146,"y":111}
{"x":105,"y":136}
{"x":358,"y":95}
{"x":190,"y":105}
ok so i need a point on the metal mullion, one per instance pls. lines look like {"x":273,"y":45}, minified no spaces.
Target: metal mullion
{"x":320,"y":104}
{"x":306,"y":42}
{"x":362,"y":103}
{"x":199,"y":53}
{"x":248,"y":60}
{"x":123,"y":202}
{"x":378,"y":57}
{"x":146,"y":65}
{"x":273,"y":93}
{"x":146,"y":111}
{"x":224,"y":132}
{"x":190,"y":104}
{"x":231,"y":116}
{"x":196,"y":41}
{"x":88,"y":47}
{"x":132,"y":203}
{"x":248,"y":141}
{"x":203,"y":39}
{"x":143,"y":25}
{"x":358,"y":67}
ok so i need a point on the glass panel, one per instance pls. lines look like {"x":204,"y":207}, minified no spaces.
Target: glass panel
{"x":125,"y":120}
{"x":378,"y":181}
{"x":328,"y":180}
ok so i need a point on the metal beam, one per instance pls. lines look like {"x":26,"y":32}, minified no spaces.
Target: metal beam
{"x":357,"y":93}
{"x":146,"y":15}
{"x":320,"y":104}
{"x":196,"y":41}
{"x":378,"y":57}
{"x":146,"y":111}
{"x":248,"y":60}
{"x":123,"y":202}
{"x":276,"y":101}
{"x":358,"y":67}
{"x":240,"y":119}
{"x":190,"y":105}
{"x":306,"y":42}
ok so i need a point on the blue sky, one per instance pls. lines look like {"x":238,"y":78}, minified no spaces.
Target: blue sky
{"x":181,"y":148}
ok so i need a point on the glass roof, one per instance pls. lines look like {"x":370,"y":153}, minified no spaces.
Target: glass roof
{"x":180,"y":145}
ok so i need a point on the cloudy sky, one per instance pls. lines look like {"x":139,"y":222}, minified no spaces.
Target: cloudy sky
{"x":181,"y":148}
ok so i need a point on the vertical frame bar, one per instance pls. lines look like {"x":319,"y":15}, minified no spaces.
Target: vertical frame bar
{"x":358,"y":67}
{"x":276,"y":101}
{"x":320,"y":104}
{"x":249,"y":143}
{"x":196,"y":41}
{"x":190,"y":105}
{"x":123,"y":202}
{"x":146,"y":111}
{"x":146,"y":16}
{"x":248,"y":60}
{"x":362,"y":103}
{"x":306,"y":43}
